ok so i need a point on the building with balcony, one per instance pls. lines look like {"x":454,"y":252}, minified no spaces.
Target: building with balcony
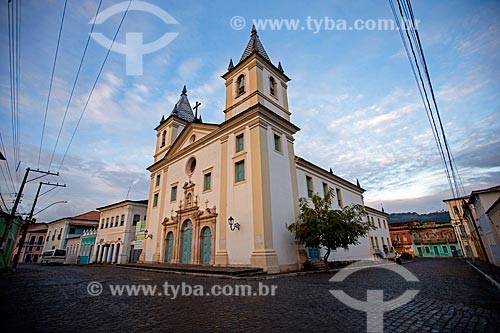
{"x":87,"y":245}
{"x":380,"y":238}
{"x":117,"y":229}
{"x":61,"y":230}
{"x":434,"y":240}
{"x":464,"y":230}
{"x":33,"y":244}
{"x":401,"y":237}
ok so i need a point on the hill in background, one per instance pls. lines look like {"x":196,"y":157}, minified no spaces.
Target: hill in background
{"x":438,"y":217}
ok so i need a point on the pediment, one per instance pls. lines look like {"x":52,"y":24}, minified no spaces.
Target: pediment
{"x":192,"y":133}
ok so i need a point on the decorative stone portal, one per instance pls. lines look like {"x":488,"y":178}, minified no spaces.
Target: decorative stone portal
{"x":189,"y":233}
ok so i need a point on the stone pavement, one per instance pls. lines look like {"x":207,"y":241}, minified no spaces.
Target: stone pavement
{"x":453,"y":297}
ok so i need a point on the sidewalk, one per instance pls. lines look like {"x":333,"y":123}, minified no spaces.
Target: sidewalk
{"x":491,"y":273}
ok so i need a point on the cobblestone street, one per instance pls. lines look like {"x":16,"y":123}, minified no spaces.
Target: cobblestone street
{"x":453,"y":297}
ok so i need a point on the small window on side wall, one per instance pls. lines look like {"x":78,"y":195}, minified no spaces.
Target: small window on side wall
{"x":207,"y":181}
{"x":240,"y":144}
{"x":277,"y":143}
{"x":239,"y":171}
{"x":173,"y":193}
{"x":155,"y":200}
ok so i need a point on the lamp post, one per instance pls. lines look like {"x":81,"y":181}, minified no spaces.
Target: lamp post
{"x":233,"y":225}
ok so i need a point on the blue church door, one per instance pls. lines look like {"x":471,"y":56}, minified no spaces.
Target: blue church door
{"x":206,"y":245}
{"x":186,"y":236}
{"x":170,"y":243}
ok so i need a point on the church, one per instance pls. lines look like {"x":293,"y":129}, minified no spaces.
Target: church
{"x":223,"y":194}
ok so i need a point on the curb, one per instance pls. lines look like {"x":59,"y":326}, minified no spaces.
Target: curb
{"x":489,"y":278}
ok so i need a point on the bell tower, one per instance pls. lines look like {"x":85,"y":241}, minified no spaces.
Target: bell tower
{"x":255,"y":80}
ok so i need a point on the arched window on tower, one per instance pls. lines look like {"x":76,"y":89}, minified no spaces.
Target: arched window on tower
{"x":163,"y":136}
{"x":241,"y":84}
{"x":272,"y":85}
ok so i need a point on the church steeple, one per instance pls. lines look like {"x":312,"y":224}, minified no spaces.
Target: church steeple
{"x":182,"y":109}
{"x":255,"y":80}
{"x":254,"y":44}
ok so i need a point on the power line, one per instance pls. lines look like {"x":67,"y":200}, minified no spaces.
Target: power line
{"x":426,"y":91}
{"x":74,"y":84}
{"x":94,"y":85}
{"x":51,"y":80}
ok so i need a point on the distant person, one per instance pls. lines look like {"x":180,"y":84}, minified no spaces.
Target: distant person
{"x":398,"y":258}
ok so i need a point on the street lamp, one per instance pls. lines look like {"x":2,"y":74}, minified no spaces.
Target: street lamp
{"x":52,"y":204}
{"x":233,"y":225}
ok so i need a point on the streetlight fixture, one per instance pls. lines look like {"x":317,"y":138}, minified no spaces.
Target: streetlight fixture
{"x":52,"y":204}
{"x":233,"y":225}
{"x":146,"y":235}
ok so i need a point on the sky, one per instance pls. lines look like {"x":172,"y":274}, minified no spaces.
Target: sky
{"x":352,"y":93}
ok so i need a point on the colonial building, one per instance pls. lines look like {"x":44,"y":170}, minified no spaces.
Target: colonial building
{"x":33,"y":244}
{"x":434,"y":240}
{"x":116,"y":230}
{"x":61,"y":230}
{"x":478,"y":209}
{"x":87,"y":245}
{"x":464,"y":230}
{"x":223,"y":194}
{"x":401,"y":237}
{"x":380,"y":238}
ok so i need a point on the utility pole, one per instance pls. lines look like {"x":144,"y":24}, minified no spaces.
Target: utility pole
{"x":16,"y":203}
{"x":28,"y":222}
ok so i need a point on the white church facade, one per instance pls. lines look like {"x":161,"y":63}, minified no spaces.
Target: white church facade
{"x":223,"y":194}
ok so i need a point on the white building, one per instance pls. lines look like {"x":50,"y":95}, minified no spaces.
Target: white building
{"x":223,"y":194}
{"x":61,"y":230}
{"x":116,"y":230}
{"x":380,"y":238}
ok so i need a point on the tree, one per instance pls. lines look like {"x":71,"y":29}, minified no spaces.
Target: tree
{"x":322,"y":226}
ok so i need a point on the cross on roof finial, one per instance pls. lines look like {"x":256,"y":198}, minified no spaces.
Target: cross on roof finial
{"x":184,"y":91}
{"x":254,"y":30}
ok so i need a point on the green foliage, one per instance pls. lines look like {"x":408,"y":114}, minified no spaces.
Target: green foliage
{"x":438,"y":217}
{"x":320,"y":225}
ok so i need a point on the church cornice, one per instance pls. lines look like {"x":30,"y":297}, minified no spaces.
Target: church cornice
{"x":263,"y":114}
{"x":306,"y":165}
{"x":254,"y":56}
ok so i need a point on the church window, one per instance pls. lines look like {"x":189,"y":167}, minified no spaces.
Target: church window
{"x":272,"y":86}
{"x":239,"y":143}
{"x":277,"y":142}
{"x":339,"y":199}
{"x":207,"y":181}
{"x":107,"y":222}
{"x":122,"y":221}
{"x":325,"y":189}
{"x":191,"y":166}
{"x":155,"y":200}
{"x":241,"y":84}
{"x":112,"y":221}
{"x":309,"y":185}
{"x":163,"y":136}
{"x":116,"y":220}
{"x":102,"y":223}
{"x":157,"y":180}
{"x":239,"y":171}
{"x":173,"y":193}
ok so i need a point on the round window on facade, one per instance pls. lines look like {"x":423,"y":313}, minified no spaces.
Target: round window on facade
{"x":191,"y":165}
